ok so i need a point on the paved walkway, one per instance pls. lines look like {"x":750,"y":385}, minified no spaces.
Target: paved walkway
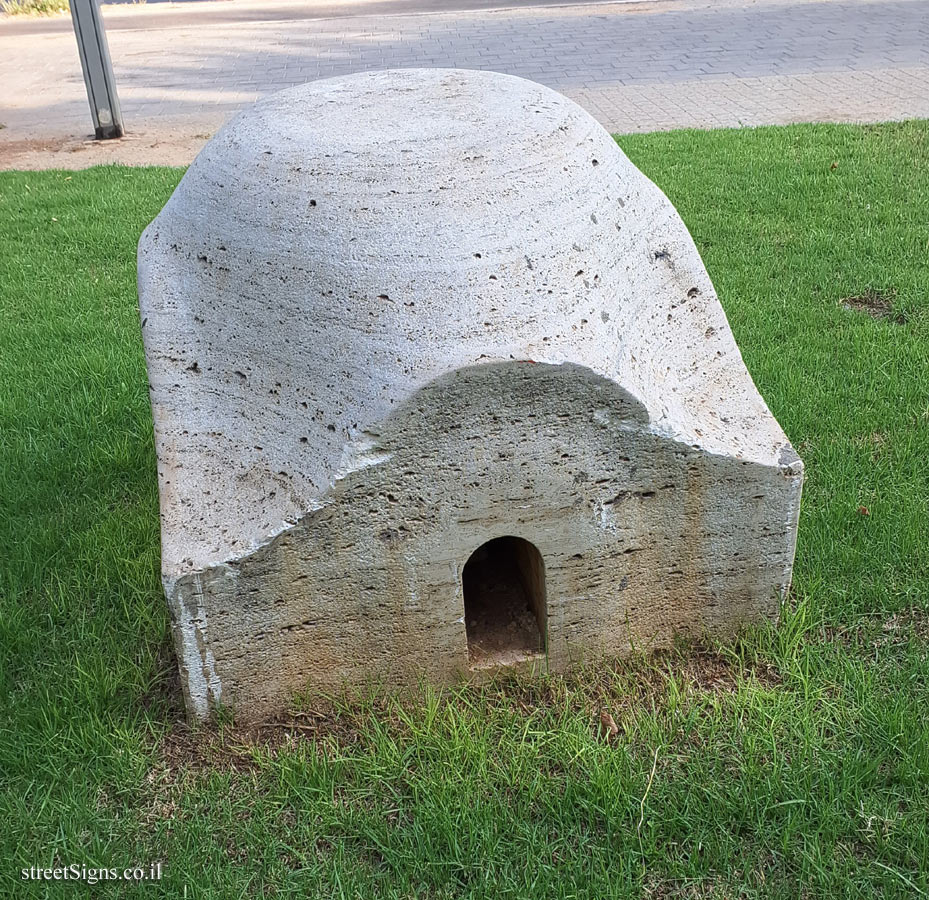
{"x":184,"y":69}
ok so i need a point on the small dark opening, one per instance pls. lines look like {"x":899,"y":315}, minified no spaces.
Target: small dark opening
{"x":504,"y":600}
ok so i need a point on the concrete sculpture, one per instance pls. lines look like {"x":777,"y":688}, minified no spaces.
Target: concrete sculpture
{"x":440,"y":384}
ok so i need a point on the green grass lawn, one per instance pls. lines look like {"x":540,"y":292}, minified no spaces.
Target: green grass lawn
{"x":793,"y":764}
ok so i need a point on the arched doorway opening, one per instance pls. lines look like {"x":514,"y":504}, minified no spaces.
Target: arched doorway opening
{"x":504,"y":600}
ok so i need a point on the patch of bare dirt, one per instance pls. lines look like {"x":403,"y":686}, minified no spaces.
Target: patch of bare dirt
{"x":869,"y":635}
{"x":616,"y":689}
{"x":902,"y":626}
{"x":170,"y":148}
{"x":876,"y":304}
{"x":711,"y":887}
{"x":875,"y":442}
{"x":612,"y":689}
{"x":187,"y":750}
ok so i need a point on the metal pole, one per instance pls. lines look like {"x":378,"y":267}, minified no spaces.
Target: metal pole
{"x":98,"y":70}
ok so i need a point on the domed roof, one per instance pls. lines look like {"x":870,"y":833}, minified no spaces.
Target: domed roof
{"x":341,"y":244}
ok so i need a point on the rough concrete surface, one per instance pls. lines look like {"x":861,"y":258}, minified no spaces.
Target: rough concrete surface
{"x":393,"y":316}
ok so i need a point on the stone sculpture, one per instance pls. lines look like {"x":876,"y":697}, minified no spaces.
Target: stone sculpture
{"x":406,"y":319}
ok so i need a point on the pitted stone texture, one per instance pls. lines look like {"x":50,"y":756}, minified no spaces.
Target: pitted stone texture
{"x":392,"y":316}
